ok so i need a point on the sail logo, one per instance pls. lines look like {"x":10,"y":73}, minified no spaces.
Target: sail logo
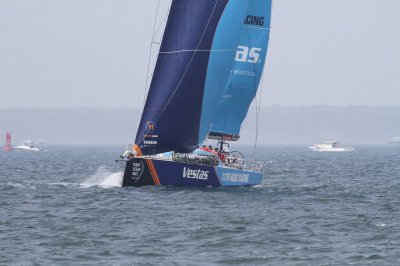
{"x":254,"y":20}
{"x":195,"y":174}
{"x":247,"y":54}
{"x":150,"y":142}
{"x":150,"y":126}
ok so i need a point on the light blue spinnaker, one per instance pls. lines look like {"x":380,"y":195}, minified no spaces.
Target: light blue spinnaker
{"x":247,"y":71}
{"x":226,"y":40}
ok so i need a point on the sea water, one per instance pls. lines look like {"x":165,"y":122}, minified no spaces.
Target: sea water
{"x":65,"y":206}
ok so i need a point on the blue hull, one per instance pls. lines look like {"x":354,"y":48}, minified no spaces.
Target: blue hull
{"x":143,"y":172}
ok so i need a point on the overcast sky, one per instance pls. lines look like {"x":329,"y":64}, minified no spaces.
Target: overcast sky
{"x":78,"y":53}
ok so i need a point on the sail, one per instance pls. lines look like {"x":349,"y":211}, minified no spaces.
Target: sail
{"x":247,"y":71}
{"x":191,"y":71}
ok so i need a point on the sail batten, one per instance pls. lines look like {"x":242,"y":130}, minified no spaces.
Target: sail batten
{"x":184,"y":51}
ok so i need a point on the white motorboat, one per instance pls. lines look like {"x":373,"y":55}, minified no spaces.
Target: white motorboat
{"x":395,"y":140}
{"x":331,"y":145}
{"x":26,"y":145}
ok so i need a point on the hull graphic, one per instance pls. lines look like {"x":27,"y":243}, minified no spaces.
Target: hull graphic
{"x":143,"y":172}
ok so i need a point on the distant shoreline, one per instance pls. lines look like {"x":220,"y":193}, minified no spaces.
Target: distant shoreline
{"x":278,"y":125}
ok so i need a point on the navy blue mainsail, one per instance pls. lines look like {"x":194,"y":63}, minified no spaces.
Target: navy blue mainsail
{"x":199,"y":36}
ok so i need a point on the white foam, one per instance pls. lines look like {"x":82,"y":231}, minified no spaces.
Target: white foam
{"x":21,"y":185}
{"x":63,"y":184}
{"x":262,"y":186}
{"x":103,"y":178}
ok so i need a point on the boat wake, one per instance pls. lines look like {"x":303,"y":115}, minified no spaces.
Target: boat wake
{"x":262,"y":185}
{"x":103,"y":178}
{"x":21,"y":185}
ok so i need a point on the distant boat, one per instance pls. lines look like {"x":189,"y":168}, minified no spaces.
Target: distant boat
{"x":8,"y":146}
{"x":330,"y":146}
{"x":26,"y":145}
{"x":395,"y":140}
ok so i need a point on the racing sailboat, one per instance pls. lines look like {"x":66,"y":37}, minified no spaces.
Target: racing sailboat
{"x":207,"y":73}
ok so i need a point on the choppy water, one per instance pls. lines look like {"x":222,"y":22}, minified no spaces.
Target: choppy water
{"x":65,"y":206}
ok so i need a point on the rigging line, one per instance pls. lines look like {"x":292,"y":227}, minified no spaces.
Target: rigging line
{"x":191,"y":60}
{"x":257,"y":121}
{"x":258,"y":106}
{"x":150,"y":54}
{"x":148,"y":65}
{"x":163,"y":20}
{"x":258,"y":113}
{"x":255,"y":87}
{"x":162,"y":23}
{"x":187,"y":68}
{"x":209,"y":130}
{"x":149,"y":59}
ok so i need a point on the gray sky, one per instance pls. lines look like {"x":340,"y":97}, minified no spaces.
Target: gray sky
{"x":69,"y":53}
